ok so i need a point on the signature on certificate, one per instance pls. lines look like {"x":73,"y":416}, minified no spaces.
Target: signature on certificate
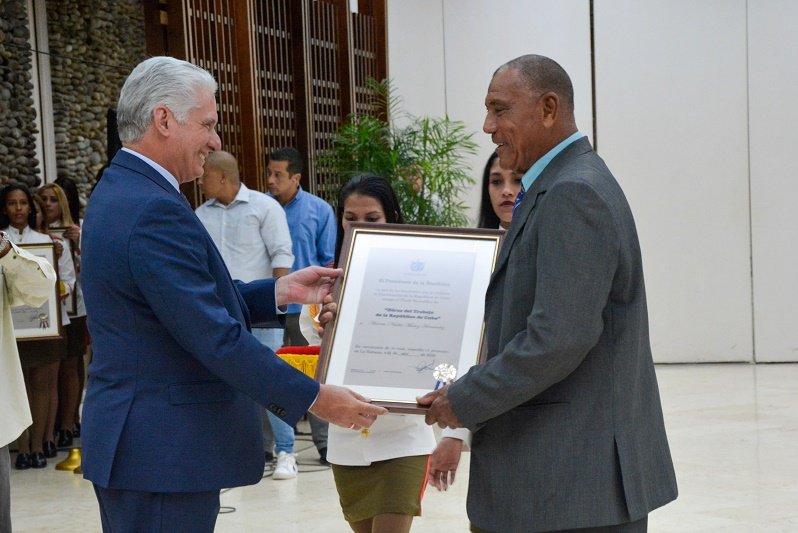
{"x":425,"y":367}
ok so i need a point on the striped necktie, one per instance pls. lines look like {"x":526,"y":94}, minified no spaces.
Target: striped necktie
{"x":518,"y":199}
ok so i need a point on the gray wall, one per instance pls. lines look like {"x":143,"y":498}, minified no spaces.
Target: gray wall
{"x":694,"y":114}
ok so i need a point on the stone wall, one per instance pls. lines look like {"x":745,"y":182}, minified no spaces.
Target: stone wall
{"x":17,"y":115}
{"x":93,"y":45}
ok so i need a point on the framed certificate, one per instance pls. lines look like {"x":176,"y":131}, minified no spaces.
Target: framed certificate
{"x":410,"y":310}
{"x":43,"y":322}
{"x":71,"y":301}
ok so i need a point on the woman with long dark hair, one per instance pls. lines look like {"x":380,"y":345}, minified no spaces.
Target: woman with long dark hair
{"x":380,"y":478}
{"x":499,"y":189}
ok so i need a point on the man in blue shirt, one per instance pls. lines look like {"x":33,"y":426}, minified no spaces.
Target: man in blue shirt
{"x":312,"y":225}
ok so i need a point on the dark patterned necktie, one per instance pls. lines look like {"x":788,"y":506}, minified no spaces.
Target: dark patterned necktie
{"x":518,"y":199}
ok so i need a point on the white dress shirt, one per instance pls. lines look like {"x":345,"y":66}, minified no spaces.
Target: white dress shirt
{"x":24,"y":280}
{"x":251,"y":233}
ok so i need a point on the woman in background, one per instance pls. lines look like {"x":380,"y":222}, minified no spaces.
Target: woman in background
{"x":73,"y":234}
{"x":381,"y":474}
{"x":40,"y":359}
{"x":500,"y":187}
{"x":58,"y":214}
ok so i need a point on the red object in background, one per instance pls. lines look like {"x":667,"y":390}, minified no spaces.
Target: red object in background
{"x":299,"y":350}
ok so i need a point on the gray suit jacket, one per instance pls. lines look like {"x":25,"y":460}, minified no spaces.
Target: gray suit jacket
{"x":566,"y":411}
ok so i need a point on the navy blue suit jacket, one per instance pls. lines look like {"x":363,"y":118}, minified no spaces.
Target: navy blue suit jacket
{"x":176,"y":379}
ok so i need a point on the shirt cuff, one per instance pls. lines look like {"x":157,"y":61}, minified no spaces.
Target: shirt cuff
{"x":462,"y":434}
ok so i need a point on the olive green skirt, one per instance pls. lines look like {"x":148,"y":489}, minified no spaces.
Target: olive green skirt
{"x":393,"y":486}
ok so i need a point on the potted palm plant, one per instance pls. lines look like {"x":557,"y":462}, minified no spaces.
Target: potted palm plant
{"x":422,"y":157}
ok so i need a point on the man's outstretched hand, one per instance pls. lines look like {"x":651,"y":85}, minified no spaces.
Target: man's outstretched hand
{"x":307,"y":286}
{"x":345,"y":408}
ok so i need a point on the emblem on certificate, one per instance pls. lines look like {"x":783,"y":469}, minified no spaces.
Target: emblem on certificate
{"x":444,"y":373}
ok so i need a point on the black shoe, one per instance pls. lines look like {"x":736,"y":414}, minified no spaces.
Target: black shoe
{"x":22,"y":462}
{"x":323,"y":457}
{"x":76,"y":430}
{"x":269,"y":457}
{"x":64,"y":440}
{"x":49,"y":449}
{"x":37,"y":460}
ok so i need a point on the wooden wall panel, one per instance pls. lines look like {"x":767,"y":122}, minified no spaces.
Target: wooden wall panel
{"x":365,"y":58}
{"x":275,"y":109}
{"x":325,"y":94}
{"x":289,"y":72}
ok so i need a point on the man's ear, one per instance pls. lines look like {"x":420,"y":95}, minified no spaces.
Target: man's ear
{"x":297,"y":177}
{"x":549,"y":105}
{"x":162,"y":119}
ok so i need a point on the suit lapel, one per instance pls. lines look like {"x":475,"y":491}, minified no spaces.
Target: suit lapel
{"x":532,"y":197}
{"x":139,"y":166}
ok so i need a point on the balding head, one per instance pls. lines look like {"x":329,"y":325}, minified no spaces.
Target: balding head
{"x":543,"y":75}
{"x":223,"y":162}
{"x":220,"y":179}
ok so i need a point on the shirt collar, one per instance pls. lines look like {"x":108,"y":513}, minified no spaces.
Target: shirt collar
{"x":296,"y":196}
{"x":241,"y":196}
{"x":540,"y":165}
{"x":162,"y":171}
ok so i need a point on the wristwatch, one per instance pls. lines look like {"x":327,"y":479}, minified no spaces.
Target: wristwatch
{"x":5,"y":241}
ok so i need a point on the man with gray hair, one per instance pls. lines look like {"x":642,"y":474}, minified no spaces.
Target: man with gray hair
{"x":568,"y":427}
{"x":170,"y":415}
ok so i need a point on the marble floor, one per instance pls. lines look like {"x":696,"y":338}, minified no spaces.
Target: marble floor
{"x":733,"y":430}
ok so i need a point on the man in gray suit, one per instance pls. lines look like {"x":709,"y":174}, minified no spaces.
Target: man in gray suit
{"x":568,"y":427}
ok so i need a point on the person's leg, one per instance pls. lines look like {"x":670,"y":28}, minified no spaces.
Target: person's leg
{"x":81,"y":387}
{"x":41,"y":379}
{"x":52,"y":408}
{"x":363,"y":526}
{"x":5,"y":489}
{"x":283,"y":434}
{"x":286,"y":467}
{"x":293,"y":335}
{"x":23,"y":441}
{"x":125,"y":511}
{"x":69,"y":381}
{"x":268,"y":436}
{"x":638,"y":526}
{"x":84,"y":363}
{"x":67,"y":398}
{"x":318,"y":430}
{"x":391,"y":523}
{"x":273,"y":338}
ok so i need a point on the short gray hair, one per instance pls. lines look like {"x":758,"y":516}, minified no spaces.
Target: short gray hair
{"x":160,"y":80}
{"x":543,"y":74}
